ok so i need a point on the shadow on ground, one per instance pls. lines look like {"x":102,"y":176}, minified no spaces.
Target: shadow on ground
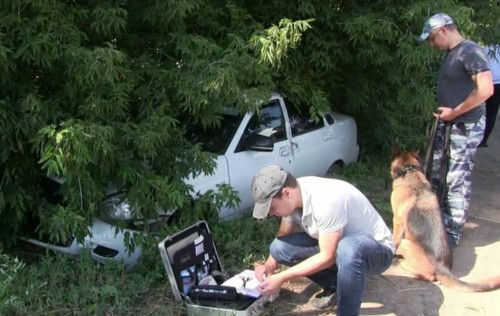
{"x":388,"y":294}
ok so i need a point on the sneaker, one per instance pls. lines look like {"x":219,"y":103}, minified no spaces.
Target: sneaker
{"x":324,"y":299}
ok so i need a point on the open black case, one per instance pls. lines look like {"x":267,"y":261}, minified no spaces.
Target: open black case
{"x":189,"y":256}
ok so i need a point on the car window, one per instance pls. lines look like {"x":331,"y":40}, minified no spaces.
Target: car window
{"x":269,"y":122}
{"x":215,"y":139}
{"x":300,"y":120}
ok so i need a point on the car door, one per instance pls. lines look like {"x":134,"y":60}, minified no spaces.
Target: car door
{"x":313,"y":142}
{"x":243,"y":164}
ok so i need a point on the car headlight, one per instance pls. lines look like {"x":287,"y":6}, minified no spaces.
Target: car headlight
{"x":118,"y":208}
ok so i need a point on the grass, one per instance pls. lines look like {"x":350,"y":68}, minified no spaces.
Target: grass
{"x":59,"y":285}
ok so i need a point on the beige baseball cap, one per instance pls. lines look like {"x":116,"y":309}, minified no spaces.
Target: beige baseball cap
{"x":266,"y":183}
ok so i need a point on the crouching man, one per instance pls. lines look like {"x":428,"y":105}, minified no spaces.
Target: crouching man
{"x":342,"y":238}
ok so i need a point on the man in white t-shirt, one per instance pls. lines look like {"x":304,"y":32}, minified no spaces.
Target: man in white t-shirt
{"x":342,"y":239}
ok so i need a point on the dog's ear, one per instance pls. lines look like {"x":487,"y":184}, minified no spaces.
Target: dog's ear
{"x":415,"y":154}
{"x":396,"y":151}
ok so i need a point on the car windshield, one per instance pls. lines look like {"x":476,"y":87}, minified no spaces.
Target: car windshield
{"x":215,"y":139}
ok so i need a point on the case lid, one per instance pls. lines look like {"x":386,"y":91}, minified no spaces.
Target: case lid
{"x":187,"y":256}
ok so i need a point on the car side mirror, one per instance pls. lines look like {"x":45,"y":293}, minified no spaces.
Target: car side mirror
{"x":259,"y":142}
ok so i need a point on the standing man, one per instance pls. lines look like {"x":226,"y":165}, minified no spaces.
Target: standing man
{"x":341,"y":239}
{"x":493,"y":103}
{"x":464,"y":83}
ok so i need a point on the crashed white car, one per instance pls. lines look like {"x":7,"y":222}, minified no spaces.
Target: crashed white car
{"x":245,"y":143}
{"x":104,"y":243}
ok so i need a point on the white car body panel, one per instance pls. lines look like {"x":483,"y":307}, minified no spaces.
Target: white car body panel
{"x":101,"y":235}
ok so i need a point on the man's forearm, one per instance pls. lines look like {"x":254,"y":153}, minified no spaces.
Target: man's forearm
{"x":475,"y":99}
{"x":307,"y":267}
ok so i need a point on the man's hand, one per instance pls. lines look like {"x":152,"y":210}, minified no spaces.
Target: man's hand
{"x":271,"y":284}
{"x":261,"y":272}
{"x":446,"y":114}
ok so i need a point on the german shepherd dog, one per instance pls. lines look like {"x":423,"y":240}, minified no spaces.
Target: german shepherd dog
{"x":419,"y":233}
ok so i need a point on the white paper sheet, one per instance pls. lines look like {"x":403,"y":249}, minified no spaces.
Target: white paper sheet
{"x":250,"y":284}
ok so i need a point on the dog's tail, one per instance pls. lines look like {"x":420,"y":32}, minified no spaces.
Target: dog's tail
{"x":448,"y":279}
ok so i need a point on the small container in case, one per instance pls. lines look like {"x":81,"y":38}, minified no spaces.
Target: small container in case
{"x":189,"y":256}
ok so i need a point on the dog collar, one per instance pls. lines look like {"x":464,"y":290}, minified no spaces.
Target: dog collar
{"x":405,"y":170}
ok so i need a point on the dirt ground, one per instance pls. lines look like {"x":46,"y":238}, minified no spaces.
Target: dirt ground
{"x":396,"y":292}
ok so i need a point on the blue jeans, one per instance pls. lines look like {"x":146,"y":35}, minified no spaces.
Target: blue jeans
{"x":357,"y":258}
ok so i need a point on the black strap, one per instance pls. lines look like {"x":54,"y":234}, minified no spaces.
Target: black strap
{"x":444,"y":165}
{"x":444,"y":158}
{"x":430,"y":150}
{"x":214,"y":292}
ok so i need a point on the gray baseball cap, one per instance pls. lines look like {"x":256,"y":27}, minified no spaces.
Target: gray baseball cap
{"x":266,"y":183}
{"x":436,"y":21}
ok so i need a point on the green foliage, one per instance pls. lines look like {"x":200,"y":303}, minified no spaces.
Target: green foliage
{"x":98,"y":92}
{"x":279,"y":39}
{"x":254,"y":235}
{"x":59,"y":285}
{"x":10,"y":269}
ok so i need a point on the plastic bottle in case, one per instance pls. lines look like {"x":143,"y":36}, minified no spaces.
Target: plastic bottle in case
{"x":188,"y":280}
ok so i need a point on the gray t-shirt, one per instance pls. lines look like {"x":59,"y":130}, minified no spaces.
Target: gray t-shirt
{"x":454,"y":78}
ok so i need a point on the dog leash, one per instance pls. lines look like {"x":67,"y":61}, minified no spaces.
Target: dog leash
{"x":444,"y":158}
{"x":430,"y":150}
{"x":441,"y":193}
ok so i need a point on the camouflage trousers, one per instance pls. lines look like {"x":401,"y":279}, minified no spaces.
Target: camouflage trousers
{"x":464,"y":139}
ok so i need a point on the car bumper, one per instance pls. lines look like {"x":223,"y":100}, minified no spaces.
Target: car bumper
{"x":103,"y":242}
